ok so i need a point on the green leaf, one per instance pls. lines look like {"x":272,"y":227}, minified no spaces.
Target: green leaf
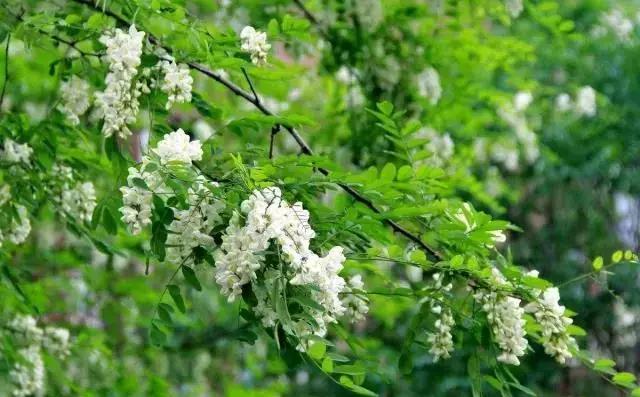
{"x":597,"y":263}
{"x":388,"y":172}
{"x":158,"y":337}
{"x":191,"y":277}
{"x":405,"y":173}
{"x":576,"y":331}
{"x":327,"y":365}
{"x":604,"y":365}
{"x":617,"y":256}
{"x":317,"y":350}
{"x":174,"y":291}
{"x":109,"y":222}
{"x":164,"y":314}
{"x":625,"y":379}
{"x":354,"y":369}
{"x":385,"y":107}
{"x":139,"y":182}
{"x":97,"y":216}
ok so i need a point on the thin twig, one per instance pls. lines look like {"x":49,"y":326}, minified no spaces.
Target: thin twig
{"x":6,"y":71}
{"x":246,"y":76}
{"x":274,"y":131}
{"x":312,"y":19}
{"x":304,"y":146}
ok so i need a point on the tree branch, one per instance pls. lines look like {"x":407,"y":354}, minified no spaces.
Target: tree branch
{"x":6,"y":71}
{"x":304,"y":146}
{"x":312,"y":19}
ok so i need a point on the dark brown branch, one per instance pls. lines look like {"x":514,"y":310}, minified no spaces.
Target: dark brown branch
{"x":312,"y":19}
{"x":304,"y":146}
{"x":274,"y":130}
{"x":253,"y":90}
{"x":6,"y":71}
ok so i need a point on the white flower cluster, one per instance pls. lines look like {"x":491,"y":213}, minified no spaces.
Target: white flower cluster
{"x":441,"y":339}
{"x":16,"y":153}
{"x":177,"y":83}
{"x":78,"y":199}
{"x":28,"y":374}
{"x":191,"y":227}
{"x":255,"y":43}
{"x":514,"y":7}
{"x":119,"y":101}
{"x":441,"y":146}
{"x":75,"y":99}
{"x":429,"y":85}
{"x":506,"y":319}
{"x":619,"y":24}
{"x":548,"y":312}
{"x":137,"y":200}
{"x":242,"y":255}
{"x":20,"y":227}
{"x":585,"y":103}
{"x":356,"y":305}
{"x":514,"y":116}
{"x":174,"y":148}
{"x":370,"y":13}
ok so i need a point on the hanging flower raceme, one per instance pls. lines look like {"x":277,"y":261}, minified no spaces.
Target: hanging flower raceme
{"x":189,"y":221}
{"x":586,"y":102}
{"x":255,"y":43}
{"x":429,"y":85}
{"x":440,"y":339}
{"x":76,"y":199}
{"x":177,"y":83}
{"x":75,"y":99}
{"x":506,"y":318}
{"x":119,"y":101}
{"x":28,"y":374}
{"x":548,"y":312}
{"x":243,"y":259}
{"x":14,"y":152}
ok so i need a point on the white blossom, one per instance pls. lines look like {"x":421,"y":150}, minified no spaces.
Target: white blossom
{"x":553,"y":323}
{"x":440,"y":339}
{"x":191,"y":227}
{"x":563,"y":102}
{"x":80,"y":201}
{"x":136,"y":211}
{"x":522,"y":100}
{"x":20,"y":227}
{"x":28,"y":375}
{"x":429,"y":85}
{"x":176,"y":147}
{"x":177,"y":83}
{"x":16,"y":153}
{"x":75,"y":99}
{"x":56,"y":341}
{"x":441,"y":146}
{"x":586,"y":102}
{"x":356,"y":305}
{"x":505,"y":316}
{"x":619,"y":24}
{"x":269,"y":218}
{"x":119,"y":101}
{"x":5,"y":194}
{"x":255,"y":43}
{"x":514,"y":7}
